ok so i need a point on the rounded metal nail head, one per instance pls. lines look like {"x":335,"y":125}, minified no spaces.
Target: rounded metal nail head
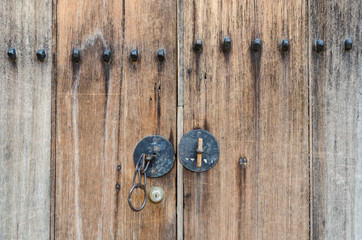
{"x":107,"y":56}
{"x":134,"y":55}
{"x":76,"y":57}
{"x":156,"y":194}
{"x":12,"y":54}
{"x":348,"y":44}
{"x":256,"y":45}
{"x":198,"y":46}
{"x":161,"y":55}
{"x":41,"y":55}
{"x":319,"y":45}
{"x":285,"y":45}
{"x":243,"y":162}
{"x":118,"y":186}
{"x":227,"y":44}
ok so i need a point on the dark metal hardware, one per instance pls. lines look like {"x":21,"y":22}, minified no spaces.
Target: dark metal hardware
{"x":134,"y":55}
{"x":41,"y":55}
{"x":319,"y":45}
{"x":243,"y":162}
{"x":161,"y":55}
{"x":12,"y":54}
{"x":191,"y":148}
{"x":118,"y":186}
{"x":256,"y":45}
{"x":119,"y":167}
{"x":76,"y":57}
{"x":348,"y":44}
{"x":285,"y":45}
{"x":164,"y":151}
{"x":198,"y":46}
{"x":226,"y":44}
{"x":107,"y":56}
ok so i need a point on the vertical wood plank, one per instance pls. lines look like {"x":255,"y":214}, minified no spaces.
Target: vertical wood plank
{"x":282,"y":120}
{"x":336,"y":116}
{"x":103,"y":110}
{"x":256,"y":105}
{"x":25,"y":102}
{"x":219,"y":96}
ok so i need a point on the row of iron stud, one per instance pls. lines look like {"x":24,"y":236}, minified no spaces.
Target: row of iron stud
{"x":198,"y":46}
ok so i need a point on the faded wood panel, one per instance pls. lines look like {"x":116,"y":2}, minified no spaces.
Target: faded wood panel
{"x":282,"y":121}
{"x":25,"y":102}
{"x":219,"y":96}
{"x":103,"y":110}
{"x":336,"y":116}
{"x":256,"y":105}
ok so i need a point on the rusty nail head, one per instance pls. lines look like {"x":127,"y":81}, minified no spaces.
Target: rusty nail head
{"x":107,"y":56}
{"x":348,"y":44}
{"x":161,"y":55}
{"x":256,"y":45}
{"x":76,"y":55}
{"x":198,"y":46}
{"x":243,"y":162}
{"x":319,"y":45}
{"x":12,"y":54}
{"x":226,"y":44}
{"x":134,"y":55}
{"x":41,"y":55}
{"x":285,"y":45}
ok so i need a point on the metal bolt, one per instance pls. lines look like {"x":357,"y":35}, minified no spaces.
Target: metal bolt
{"x":243,"y":162}
{"x":156,"y":194}
{"x":198,"y":46}
{"x":12,"y":54}
{"x":41,"y":55}
{"x":134,"y":55}
{"x":348,"y":44}
{"x":161,"y":55}
{"x":118,"y":186}
{"x":119,"y":167}
{"x":76,"y":57}
{"x":226,"y":44}
{"x":319,"y":45}
{"x":107,"y":56}
{"x":285,"y":45}
{"x":256,"y":45}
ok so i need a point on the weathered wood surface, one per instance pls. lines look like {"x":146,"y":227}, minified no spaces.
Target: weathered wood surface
{"x":25,"y":102}
{"x":256,"y":105}
{"x":336,"y":85}
{"x":103,"y":110}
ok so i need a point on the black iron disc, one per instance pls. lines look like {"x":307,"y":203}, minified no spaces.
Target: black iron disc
{"x":165,"y":155}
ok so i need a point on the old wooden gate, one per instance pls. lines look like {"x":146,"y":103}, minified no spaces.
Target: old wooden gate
{"x":71,"y":117}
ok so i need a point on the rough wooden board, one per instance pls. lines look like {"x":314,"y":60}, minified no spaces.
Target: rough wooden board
{"x":219,"y":97}
{"x":25,"y":102}
{"x":103,"y":110}
{"x":336,"y":93}
{"x":282,"y":121}
{"x":257,"y":106}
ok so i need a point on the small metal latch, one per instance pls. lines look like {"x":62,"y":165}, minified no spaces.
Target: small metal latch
{"x":198,"y":150}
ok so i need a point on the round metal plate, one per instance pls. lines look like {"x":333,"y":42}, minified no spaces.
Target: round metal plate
{"x":164,"y":152}
{"x":187,"y":150}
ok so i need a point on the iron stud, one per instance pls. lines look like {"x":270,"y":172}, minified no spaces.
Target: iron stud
{"x":134,"y":55}
{"x":285,"y":45}
{"x":319,"y":45}
{"x":198,"y":46}
{"x":226,"y":44}
{"x":76,"y":57}
{"x":12,"y":54}
{"x":348,"y":44}
{"x":161,"y":55}
{"x":107,"y":56}
{"x":256,"y":45}
{"x":41,"y":55}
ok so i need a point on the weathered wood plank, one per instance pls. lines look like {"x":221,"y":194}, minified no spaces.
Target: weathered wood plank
{"x":256,"y":104}
{"x":282,"y":120}
{"x":25,"y":102}
{"x":103,"y":110}
{"x":219,"y":97}
{"x":336,"y":116}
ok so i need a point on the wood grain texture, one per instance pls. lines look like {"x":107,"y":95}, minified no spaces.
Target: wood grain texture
{"x":336,"y":116}
{"x":256,"y":105}
{"x":103,"y":110}
{"x":25,"y":102}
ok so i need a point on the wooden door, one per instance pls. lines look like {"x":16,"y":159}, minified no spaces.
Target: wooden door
{"x":103,"y":109}
{"x":68,"y":128}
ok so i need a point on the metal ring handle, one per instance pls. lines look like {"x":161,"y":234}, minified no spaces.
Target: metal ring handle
{"x":144,"y":200}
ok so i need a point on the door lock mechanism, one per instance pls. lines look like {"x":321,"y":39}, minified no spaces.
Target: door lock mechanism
{"x":198,"y":150}
{"x":154,"y":156}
